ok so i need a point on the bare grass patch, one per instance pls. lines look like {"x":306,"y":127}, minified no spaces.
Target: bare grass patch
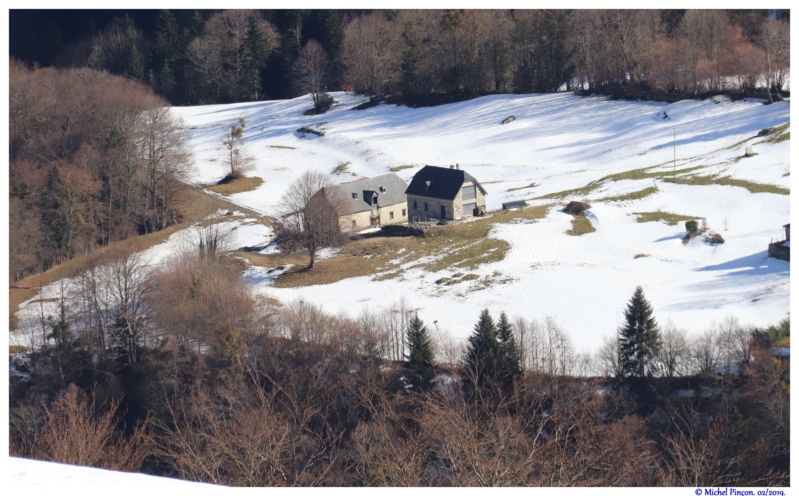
{"x":635,"y":195}
{"x":752,"y":187}
{"x":460,"y":246}
{"x":659,"y":216}
{"x":580,"y":225}
{"x":342,"y":168}
{"x":531,"y":185}
{"x":238,"y":185}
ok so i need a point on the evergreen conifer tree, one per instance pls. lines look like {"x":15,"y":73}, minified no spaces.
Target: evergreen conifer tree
{"x":639,"y":337}
{"x":256,"y":51}
{"x":482,"y":354}
{"x":421,"y":360}
{"x":509,"y":362}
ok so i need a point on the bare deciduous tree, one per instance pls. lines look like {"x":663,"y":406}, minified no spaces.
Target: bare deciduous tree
{"x":672,"y":357}
{"x":310,"y":73}
{"x":163,"y":146}
{"x":371,"y":52}
{"x":310,"y":217}
{"x":237,"y":160}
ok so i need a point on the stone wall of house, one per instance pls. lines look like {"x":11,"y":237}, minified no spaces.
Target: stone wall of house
{"x":777,"y":250}
{"x":480,"y":200}
{"x":397,"y":209}
{"x":454,"y":208}
{"x":362,"y":221}
{"x":433,"y":208}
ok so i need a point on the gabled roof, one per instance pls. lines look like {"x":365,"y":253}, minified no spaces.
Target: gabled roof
{"x":439,"y":182}
{"x":392,"y":192}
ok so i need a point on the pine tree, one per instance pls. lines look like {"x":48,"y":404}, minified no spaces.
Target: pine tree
{"x":420,"y":355}
{"x":509,"y":362}
{"x":256,"y":51}
{"x":639,"y":337}
{"x":166,"y":52}
{"x":481,"y":360}
{"x":134,"y":67}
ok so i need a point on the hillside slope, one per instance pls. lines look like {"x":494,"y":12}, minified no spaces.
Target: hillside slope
{"x":633,"y":161}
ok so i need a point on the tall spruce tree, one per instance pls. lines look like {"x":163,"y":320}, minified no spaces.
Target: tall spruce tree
{"x":482,"y":354}
{"x":509,"y":362}
{"x":639,"y":337}
{"x":421,"y":360}
{"x":166,"y":53}
{"x":256,"y":50}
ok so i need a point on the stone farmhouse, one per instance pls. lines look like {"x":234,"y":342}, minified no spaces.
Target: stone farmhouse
{"x":444,"y":193}
{"x":369,"y":202}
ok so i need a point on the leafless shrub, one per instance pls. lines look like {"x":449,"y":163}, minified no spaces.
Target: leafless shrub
{"x":248,"y":443}
{"x":74,"y":434}
{"x":672,"y":356}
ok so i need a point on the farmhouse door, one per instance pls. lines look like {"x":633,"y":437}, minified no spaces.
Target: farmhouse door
{"x":469,"y":208}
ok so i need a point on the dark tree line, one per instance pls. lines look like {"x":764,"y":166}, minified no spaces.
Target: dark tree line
{"x":426,"y":56}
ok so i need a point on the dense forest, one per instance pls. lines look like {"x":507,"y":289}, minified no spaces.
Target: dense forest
{"x":94,"y":158}
{"x":426,"y":56}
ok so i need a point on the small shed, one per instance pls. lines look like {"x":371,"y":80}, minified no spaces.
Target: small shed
{"x":782,"y":249}
{"x":514,"y":204}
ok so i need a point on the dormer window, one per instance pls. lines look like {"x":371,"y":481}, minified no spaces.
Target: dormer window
{"x":355,"y":196}
{"x":382,"y":189}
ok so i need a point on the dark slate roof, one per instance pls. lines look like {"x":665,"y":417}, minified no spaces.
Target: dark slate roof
{"x":364,"y":188}
{"x":444,"y":183}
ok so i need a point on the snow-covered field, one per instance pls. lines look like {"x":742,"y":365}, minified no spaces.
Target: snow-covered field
{"x":44,"y":477}
{"x":558,"y":142}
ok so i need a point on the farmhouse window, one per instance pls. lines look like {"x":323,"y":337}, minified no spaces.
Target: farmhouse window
{"x":404,"y":213}
{"x":391,"y":215}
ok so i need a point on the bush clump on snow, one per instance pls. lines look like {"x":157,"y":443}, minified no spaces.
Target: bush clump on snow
{"x":693,"y":229}
{"x":324,"y":102}
{"x":576,"y":208}
{"x":508,"y":119}
{"x":714,"y":238}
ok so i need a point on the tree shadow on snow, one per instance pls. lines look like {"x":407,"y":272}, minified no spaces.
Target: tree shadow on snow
{"x":669,"y":238}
